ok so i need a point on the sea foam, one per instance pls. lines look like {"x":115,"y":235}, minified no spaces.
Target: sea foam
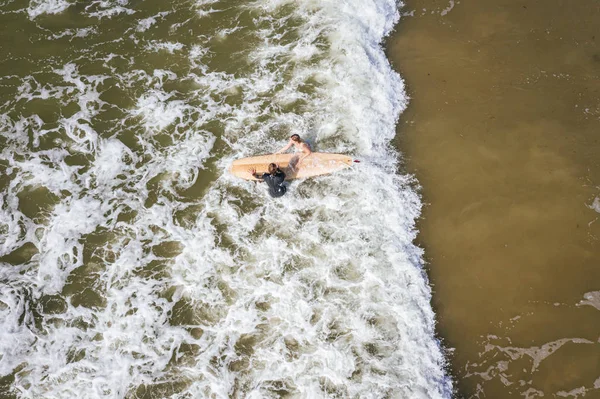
{"x":154,"y":272}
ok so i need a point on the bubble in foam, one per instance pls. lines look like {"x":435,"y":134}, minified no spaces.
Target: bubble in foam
{"x":108,"y":8}
{"x":157,"y":111}
{"x":40,"y":7}
{"x":113,"y":158}
{"x":591,"y":299}
{"x":166,"y":46}
{"x":595,"y":205}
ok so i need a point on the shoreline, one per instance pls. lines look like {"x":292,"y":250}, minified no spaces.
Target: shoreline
{"x":404,"y":168}
{"x":500,"y":133}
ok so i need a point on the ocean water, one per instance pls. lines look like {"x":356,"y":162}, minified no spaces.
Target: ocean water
{"x":502,"y":133}
{"x":134,"y":266}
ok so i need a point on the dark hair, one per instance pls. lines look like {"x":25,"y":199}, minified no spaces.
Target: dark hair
{"x":296,"y":138}
{"x":273,"y":168}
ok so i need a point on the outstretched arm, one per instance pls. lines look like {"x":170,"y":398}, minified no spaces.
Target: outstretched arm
{"x":287,"y":147}
{"x":252,"y":172}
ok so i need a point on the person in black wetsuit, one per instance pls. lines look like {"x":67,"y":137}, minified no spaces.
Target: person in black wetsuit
{"x":274,"y":180}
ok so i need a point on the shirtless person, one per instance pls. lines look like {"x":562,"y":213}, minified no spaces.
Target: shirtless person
{"x":300,"y":145}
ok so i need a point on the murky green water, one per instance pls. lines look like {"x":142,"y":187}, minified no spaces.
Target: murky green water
{"x":132,"y":263}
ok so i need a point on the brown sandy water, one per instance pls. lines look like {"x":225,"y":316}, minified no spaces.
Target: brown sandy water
{"x":503,"y":133}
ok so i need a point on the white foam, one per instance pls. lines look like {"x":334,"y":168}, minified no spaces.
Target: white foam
{"x":108,"y":8}
{"x":157,"y":112}
{"x":166,"y":46}
{"x":591,"y":299}
{"x":78,"y":127}
{"x":573,"y":393}
{"x":202,"y":11}
{"x":321,"y":292}
{"x":497,"y":358}
{"x":595,"y":204}
{"x":60,"y":251}
{"x":113,"y":158}
{"x":40,"y":7}
{"x":145,"y":24}
{"x":447,"y":9}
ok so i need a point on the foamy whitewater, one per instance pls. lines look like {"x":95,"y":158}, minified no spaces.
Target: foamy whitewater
{"x":134,"y":265}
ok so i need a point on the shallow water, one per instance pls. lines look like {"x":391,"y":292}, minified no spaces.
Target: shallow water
{"x":133,"y":265}
{"x":502,"y":132}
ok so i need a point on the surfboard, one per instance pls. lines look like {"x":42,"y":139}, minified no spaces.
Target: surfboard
{"x":316,"y":164}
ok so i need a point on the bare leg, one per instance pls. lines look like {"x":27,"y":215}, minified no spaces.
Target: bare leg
{"x":294,"y":163}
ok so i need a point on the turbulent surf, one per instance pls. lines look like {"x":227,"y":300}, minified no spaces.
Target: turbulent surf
{"x":133,"y":265}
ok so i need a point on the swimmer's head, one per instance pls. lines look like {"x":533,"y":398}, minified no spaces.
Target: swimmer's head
{"x":272,"y":168}
{"x":295,"y":138}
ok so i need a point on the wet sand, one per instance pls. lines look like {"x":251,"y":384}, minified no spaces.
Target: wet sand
{"x":503,"y":134}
